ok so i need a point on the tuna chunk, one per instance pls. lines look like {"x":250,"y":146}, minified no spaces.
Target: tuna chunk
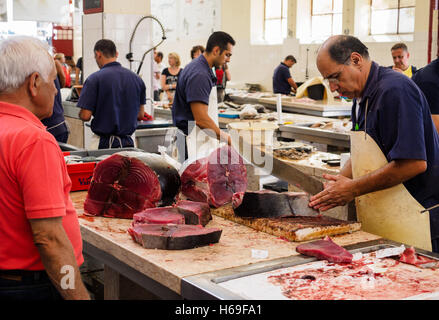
{"x":130,"y":182}
{"x":194,"y":212}
{"x":325,"y":250}
{"x":173,"y":237}
{"x":216,"y":178}
{"x":163,"y":215}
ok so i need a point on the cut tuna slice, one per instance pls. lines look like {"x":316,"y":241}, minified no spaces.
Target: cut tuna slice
{"x":173,"y":237}
{"x":325,"y":250}
{"x":163,"y":215}
{"x":216,"y":178}
{"x":194,"y":212}
{"x":129,"y":182}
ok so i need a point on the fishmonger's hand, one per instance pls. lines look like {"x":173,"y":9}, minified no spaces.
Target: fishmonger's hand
{"x":338,"y":191}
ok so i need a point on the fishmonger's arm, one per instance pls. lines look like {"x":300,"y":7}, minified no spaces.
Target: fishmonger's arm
{"x":339,"y":190}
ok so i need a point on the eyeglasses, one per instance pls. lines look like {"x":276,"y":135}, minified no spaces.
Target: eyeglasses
{"x":335,"y":77}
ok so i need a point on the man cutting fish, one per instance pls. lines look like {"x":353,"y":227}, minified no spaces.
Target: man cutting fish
{"x":389,"y":111}
{"x":195,"y":96}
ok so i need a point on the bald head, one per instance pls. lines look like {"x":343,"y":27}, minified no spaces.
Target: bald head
{"x":341,"y":47}
{"x":344,"y":61}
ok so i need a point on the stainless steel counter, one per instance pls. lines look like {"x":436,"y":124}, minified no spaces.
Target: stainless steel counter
{"x":305,"y":133}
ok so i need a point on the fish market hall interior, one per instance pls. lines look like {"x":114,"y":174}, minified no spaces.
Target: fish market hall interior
{"x":219,"y":150}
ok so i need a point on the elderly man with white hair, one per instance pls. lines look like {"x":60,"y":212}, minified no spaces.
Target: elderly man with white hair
{"x":41,"y":245}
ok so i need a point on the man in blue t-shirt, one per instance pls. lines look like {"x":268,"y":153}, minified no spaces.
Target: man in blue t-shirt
{"x":116,"y":98}
{"x":398,"y":119}
{"x":282,"y":80}
{"x":427,"y":80}
{"x":195,"y":83}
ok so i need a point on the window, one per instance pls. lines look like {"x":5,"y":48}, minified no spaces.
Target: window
{"x":275,"y":20}
{"x":326,"y":18}
{"x":392,"y":17}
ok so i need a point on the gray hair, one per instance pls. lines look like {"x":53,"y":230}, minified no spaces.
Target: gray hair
{"x":20,"y":56}
{"x":341,"y":48}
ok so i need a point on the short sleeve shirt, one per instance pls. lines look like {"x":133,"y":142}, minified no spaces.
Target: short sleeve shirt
{"x":34,"y":184}
{"x":194,"y":85}
{"x":57,"y":116}
{"x":114,"y":95}
{"x":399,"y":120}
{"x":171,"y":78}
{"x":280,"y":79}
{"x":427,"y":80}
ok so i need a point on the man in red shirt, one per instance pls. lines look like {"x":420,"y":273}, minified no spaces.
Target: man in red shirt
{"x":41,"y":245}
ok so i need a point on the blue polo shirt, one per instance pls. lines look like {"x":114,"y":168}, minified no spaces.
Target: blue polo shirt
{"x":399,"y":121}
{"x":55,"y":123}
{"x":194,"y":85}
{"x":114,"y":95}
{"x":427,"y":80}
{"x":280,"y":79}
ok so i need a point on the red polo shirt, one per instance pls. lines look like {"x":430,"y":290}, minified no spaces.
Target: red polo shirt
{"x":34,"y":184}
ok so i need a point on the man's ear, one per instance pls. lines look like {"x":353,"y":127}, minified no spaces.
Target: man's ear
{"x":117,"y":54}
{"x":356,"y":59}
{"x":216,"y":51}
{"x":34,"y":83}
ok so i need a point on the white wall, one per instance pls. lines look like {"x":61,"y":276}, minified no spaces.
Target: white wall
{"x":253,"y":61}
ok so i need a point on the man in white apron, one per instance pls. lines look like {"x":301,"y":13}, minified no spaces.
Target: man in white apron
{"x":394,"y":169}
{"x":195,"y":98}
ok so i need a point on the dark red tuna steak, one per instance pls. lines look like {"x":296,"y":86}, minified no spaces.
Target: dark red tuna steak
{"x":216,"y":178}
{"x":325,"y":250}
{"x":194,"y":181}
{"x":163,"y":215}
{"x":194,"y":212}
{"x":129,"y":182}
{"x":173,"y":237}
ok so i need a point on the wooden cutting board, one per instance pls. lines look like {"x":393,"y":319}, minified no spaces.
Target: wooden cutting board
{"x":293,"y":229}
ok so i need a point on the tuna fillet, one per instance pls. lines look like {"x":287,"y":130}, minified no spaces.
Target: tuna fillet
{"x":194,"y":212}
{"x":325,"y":250}
{"x":173,"y":237}
{"x":216,"y":178}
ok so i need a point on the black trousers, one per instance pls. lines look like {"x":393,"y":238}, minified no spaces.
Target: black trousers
{"x":21,"y":285}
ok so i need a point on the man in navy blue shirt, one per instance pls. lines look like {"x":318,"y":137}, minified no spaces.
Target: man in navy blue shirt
{"x":56,"y":123}
{"x":427,"y":80}
{"x":398,"y":119}
{"x":282,"y":80}
{"x":195,"y":84}
{"x":116,"y":98}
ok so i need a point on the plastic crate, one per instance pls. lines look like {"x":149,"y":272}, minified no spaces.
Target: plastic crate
{"x":81,"y":174}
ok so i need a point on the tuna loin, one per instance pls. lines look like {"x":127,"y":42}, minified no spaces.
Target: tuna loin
{"x":266,"y":204}
{"x":183,"y":212}
{"x":216,"y":178}
{"x":129,"y":182}
{"x":163,"y":215}
{"x":325,"y":250}
{"x":173,"y":237}
{"x":194,"y":212}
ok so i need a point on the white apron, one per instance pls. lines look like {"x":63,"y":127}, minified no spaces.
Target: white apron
{"x":198,"y":143}
{"x":94,"y":142}
{"x":392,"y":213}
